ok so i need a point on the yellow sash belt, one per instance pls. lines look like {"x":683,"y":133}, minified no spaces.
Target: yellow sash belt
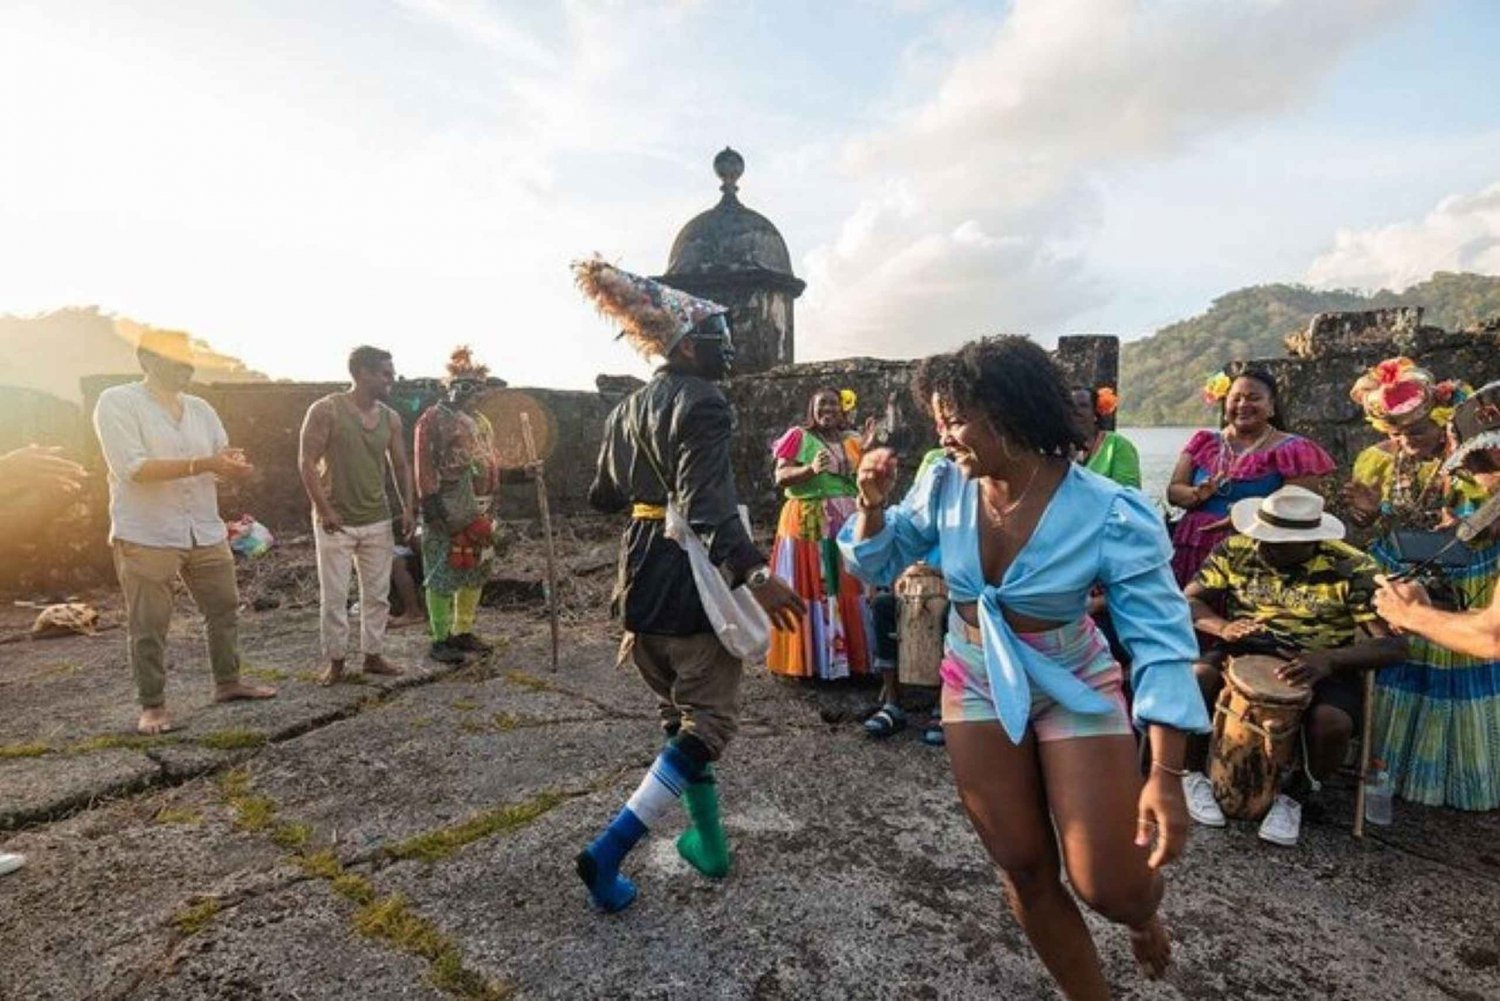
{"x":648,"y":512}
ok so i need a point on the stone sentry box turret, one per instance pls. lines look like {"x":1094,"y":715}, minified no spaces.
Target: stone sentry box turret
{"x":736,"y":257}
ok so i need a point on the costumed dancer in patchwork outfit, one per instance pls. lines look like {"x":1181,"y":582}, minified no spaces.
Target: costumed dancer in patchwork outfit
{"x":457,"y":471}
{"x":1039,"y":736}
{"x":670,"y":440}
{"x":815,"y":464}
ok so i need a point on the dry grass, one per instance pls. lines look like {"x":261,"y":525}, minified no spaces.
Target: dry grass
{"x":195,"y":917}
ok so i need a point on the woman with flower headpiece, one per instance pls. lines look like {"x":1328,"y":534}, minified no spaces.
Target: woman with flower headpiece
{"x":815,"y":463}
{"x":1250,"y":455}
{"x":1106,"y":451}
{"x":1434,"y":721}
{"x":1397,"y":484}
{"x":457,"y":471}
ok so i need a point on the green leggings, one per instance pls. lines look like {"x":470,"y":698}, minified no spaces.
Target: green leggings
{"x":451,"y":614}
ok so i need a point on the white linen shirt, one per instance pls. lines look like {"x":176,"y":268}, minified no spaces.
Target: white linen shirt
{"x":134,"y":427}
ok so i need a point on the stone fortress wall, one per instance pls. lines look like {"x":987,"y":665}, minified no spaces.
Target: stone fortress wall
{"x":735,"y":256}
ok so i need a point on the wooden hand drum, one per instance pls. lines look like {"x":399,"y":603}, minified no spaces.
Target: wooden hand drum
{"x":1255,"y":722}
{"x":922,"y":598}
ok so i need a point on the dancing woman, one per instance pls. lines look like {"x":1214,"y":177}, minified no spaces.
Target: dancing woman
{"x":1038,"y":734}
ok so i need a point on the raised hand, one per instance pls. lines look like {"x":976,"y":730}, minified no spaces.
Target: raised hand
{"x":876,"y":476}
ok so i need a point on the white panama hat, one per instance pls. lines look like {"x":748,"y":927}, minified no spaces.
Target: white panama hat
{"x":1291,"y":514}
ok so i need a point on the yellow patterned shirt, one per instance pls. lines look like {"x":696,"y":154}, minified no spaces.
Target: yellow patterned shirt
{"x":1316,"y":605}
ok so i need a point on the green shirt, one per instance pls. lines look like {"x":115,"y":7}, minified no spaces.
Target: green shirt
{"x":1117,"y":459}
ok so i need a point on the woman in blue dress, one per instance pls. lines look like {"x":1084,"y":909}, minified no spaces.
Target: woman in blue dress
{"x":1041,"y":744}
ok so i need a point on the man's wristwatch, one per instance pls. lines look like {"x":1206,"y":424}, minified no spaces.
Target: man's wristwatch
{"x":758,"y":578}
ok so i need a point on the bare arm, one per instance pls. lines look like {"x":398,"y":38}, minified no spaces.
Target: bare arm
{"x":401,"y":467}
{"x":1405,"y":605}
{"x":1181,"y":492}
{"x":789,"y":472}
{"x":317,"y":427}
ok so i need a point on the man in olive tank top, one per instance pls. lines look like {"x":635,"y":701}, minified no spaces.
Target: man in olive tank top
{"x":349,"y":440}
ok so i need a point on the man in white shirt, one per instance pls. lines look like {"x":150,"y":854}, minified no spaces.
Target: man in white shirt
{"x":165,"y":450}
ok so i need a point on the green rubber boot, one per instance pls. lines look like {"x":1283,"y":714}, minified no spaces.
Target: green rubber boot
{"x":704,"y":844}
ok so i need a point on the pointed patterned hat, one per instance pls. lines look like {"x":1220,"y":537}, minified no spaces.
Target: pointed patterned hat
{"x":653,"y":317}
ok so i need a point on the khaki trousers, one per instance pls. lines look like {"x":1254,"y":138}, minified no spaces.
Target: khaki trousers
{"x":696,"y":681}
{"x":370,"y":550}
{"x":146,"y":574}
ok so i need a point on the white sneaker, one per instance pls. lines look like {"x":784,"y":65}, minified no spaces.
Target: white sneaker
{"x":10,"y":862}
{"x":1201,"y":804}
{"x":1283,"y":823}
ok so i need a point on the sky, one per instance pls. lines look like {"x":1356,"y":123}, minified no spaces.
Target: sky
{"x":287,"y":180}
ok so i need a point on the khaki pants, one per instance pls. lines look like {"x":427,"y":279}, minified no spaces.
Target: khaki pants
{"x":696,"y":681}
{"x":146,"y":574}
{"x":369,"y":549}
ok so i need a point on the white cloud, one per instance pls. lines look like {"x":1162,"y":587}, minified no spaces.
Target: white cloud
{"x":976,"y":199}
{"x":1461,"y":234}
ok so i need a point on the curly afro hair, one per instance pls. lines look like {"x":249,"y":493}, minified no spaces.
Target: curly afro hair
{"x":1013,"y":382}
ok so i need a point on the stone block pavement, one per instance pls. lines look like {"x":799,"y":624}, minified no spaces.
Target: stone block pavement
{"x":415,"y":840}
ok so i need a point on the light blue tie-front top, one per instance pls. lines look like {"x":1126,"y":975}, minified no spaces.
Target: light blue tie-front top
{"x":1093,"y":531}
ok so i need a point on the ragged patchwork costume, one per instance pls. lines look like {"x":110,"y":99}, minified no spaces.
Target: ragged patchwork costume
{"x":457,"y":471}
{"x":670,"y":438}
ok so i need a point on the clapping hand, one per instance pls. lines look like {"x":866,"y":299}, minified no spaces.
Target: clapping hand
{"x":230,"y":463}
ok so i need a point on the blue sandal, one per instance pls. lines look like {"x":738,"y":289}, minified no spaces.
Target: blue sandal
{"x":887,"y":720}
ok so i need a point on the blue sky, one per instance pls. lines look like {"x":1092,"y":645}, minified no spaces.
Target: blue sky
{"x":287,"y":179}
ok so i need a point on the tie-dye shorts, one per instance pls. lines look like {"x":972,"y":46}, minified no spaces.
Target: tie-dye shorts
{"x":1079,"y":646}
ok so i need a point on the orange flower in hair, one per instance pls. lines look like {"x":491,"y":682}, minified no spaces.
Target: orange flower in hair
{"x":1106,"y":401}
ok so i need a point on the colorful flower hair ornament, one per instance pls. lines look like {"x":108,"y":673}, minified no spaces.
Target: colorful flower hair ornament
{"x":1106,"y":401}
{"x":1394,"y":394}
{"x":1447,"y":396}
{"x":1217,"y":387}
{"x":848,"y":400}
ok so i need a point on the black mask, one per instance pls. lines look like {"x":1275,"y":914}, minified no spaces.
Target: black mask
{"x":713,"y":347}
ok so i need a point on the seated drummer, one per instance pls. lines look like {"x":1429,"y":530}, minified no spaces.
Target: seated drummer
{"x":1290,"y":588}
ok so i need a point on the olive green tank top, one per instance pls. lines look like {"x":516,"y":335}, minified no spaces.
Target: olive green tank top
{"x":354,"y":465}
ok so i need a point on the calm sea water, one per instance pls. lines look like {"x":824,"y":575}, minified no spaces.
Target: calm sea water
{"x":1159,"y":448}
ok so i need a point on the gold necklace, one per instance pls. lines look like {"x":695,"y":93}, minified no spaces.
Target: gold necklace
{"x":1003,"y":513}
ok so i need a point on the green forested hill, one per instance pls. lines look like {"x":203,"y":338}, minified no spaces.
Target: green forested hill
{"x":1161,"y":375}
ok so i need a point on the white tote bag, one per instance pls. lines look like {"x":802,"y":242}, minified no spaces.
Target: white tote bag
{"x":742,"y":625}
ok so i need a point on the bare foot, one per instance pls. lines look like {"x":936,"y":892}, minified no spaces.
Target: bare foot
{"x":332,"y":674}
{"x":1152,"y":947}
{"x":376,"y":664}
{"x":153,"y":721}
{"x":402,"y":621}
{"x":234,"y":691}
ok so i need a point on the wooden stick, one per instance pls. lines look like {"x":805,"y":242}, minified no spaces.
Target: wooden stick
{"x":546,"y":510}
{"x":1364,"y":753}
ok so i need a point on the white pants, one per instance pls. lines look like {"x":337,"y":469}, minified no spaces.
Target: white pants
{"x":370,"y":549}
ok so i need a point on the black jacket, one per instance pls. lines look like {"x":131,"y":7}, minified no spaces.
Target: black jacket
{"x":679,"y":426}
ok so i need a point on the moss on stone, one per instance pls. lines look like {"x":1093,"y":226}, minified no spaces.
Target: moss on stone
{"x":291,"y":836}
{"x":443,"y":842}
{"x":391,"y":920}
{"x":353,"y":886}
{"x":32,"y":750}
{"x":127,"y":741}
{"x":465,"y":705}
{"x":195,"y":917}
{"x":531,"y":681}
{"x":323,"y":864}
{"x":272,"y":674}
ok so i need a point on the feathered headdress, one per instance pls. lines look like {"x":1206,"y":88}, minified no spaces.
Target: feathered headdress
{"x":461,"y":365}
{"x":652,"y":317}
